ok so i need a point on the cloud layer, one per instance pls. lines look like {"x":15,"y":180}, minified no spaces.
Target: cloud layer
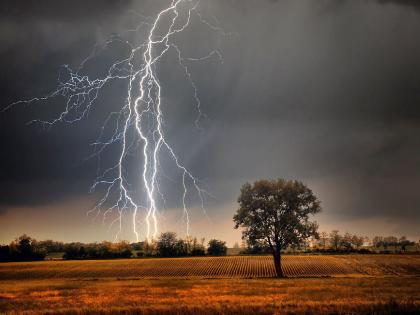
{"x":323,"y":91}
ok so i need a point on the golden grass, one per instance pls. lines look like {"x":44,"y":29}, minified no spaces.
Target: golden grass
{"x":220,"y":296}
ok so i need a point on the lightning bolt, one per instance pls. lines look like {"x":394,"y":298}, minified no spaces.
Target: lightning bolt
{"x":139,"y":122}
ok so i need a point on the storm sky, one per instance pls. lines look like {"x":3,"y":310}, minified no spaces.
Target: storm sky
{"x":327,"y":92}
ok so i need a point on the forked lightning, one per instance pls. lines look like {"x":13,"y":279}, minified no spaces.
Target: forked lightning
{"x":138,"y":123}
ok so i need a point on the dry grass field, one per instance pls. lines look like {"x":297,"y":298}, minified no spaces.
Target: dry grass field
{"x":216,"y":267}
{"x":382,"y":284}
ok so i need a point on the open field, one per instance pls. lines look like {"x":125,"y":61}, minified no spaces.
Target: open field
{"x":216,"y":267}
{"x":381,"y":284}
{"x":212,"y":296}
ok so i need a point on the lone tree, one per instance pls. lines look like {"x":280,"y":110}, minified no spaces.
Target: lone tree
{"x":276,"y":212}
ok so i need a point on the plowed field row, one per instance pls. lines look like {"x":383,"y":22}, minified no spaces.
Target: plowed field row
{"x":215,"y":267}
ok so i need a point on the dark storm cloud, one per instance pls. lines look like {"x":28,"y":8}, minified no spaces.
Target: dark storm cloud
{"x":324,"y":91}
{"x":411,"y":3}
{"x":37,"y":37}
{"x":331,"y":97}
{"x":51,"y":9}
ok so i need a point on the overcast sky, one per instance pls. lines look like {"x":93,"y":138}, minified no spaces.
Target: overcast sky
{"x":327,"y":92}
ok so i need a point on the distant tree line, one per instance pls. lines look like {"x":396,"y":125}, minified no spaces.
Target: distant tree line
{"x":391,"y":241}
{"x":104,"y":250}
{"x":334,"y":242}
{"x":168,"y":245}
{"x":25,"y":248}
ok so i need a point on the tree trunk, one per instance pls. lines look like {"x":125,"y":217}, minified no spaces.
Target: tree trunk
{"x":277,"y":264}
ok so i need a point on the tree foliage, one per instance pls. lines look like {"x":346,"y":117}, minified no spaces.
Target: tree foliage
{"x":277,"y":212}
{"x":104,"y":250}
{"x":168,"y":245}
{"x":216,"y":248}
{"x":23,"y":248}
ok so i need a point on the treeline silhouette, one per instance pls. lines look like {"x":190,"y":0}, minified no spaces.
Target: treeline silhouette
{"x":350,"y":243}
{"x":25,"y":248}
{"x":104,"y":250}
{"x":335,"y":243}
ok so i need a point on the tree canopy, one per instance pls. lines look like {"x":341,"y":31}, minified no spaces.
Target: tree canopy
{"x":276,"y":212}
{"x":216,"y":248}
